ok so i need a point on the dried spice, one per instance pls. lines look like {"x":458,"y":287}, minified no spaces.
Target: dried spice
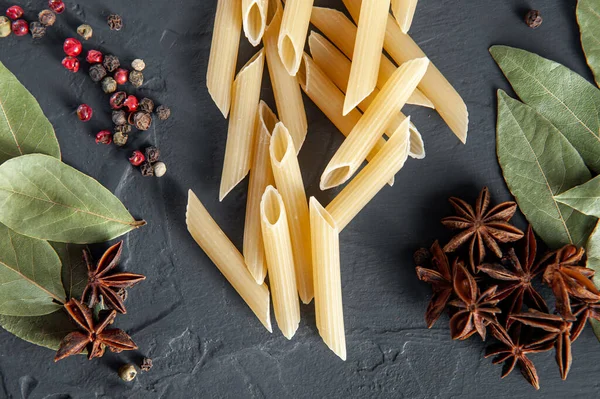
{"x":85,"y":31}
{"x":160,"y":169}
{"x":534,"y":19}
{"x":47,"y":17}
{"x":120,"y":139}
{"x":109,"y":85}
{"x":127,"y":372}
{"x":97,"y":72}
{"x":583,"y":311}
{"x":136,"y":78}
{"x":163,"y":112}
{"x":37,"y":30}
{"x":142,"y":120}
{"x":146,"y":169}
{"x":146,"y":105}
{"x":146,"y":364}
{"x":119,"y":117}
{"x":123,"y":129}
{"x":440,"y":278}
{"x":115,"y":22}
{"x":111,"y":63}
{"x":152,"y":154}
{"x":138,"y":65}
{"x":5,"y":26}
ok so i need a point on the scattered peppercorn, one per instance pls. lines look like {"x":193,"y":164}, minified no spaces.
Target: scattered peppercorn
{"x":95,"y":57}
{"x":147,"y":169}
{"x":121,"y":76}
{"x":72,"y":47}
{"x":136,"y":78}
{"x":127,"y":372}
{"x":152,"y":154}
{"x":104,"y":137}
{"x":131,"y":102}
{"x":97,"y":72}
{"x":120,"y":139}
{"x":37,"y":30}
{"x":20,"y":27}
{"x":84,"y":112}
{"x":111,"y":63}
{"x":47,"y":17}
{"x":124,"y":129}
{"x":142,"y":120}
{"x":71,"y":63}
{"x":115,"y":22}
{"x":119,"y":117}
{"x":137,"y":158}
{"x":109,"y":85}
{"x":138,"y":64}
{"x":146,"y":105}
{"x":14,"y":12}
{"x":58,"y":6}
{"x":146,"y":364}
{"x":159,"y":169}
{"x":85,"y":31}
{"x":118,"y":99}
{"x":5,"y":27}
{"x":163,"y":112}
{"x":534,"y":19}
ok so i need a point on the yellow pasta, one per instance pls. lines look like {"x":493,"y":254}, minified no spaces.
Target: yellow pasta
{"x":242,"y":124}
{"x":328,"y":284}
{"x":292,"y":35}
{"x":404,"y":11}
{"x":224,"y":52}
{"x":371,"y":179}
{"x":367,"y":52}
{"x":288,"y":179}
{"x":278,"y":249}
{"x":401,"y":48}
{"x":369,"y":129}
{"x":261,"y":176}
{"x":342,"y":32}
{"x":286,"y":90}
{"x":227,"y":258}
{"x":254,"y":17}
{"x":337,"y":68}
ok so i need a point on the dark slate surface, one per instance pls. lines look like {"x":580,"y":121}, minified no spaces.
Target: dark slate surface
{"x":204,"y":341}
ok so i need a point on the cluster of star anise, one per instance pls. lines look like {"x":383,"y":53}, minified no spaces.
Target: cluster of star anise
{"x":495,"y":291}
{"x":104,"y":289}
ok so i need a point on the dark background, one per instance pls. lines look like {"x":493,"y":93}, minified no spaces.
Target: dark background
{"x":204,"y":341}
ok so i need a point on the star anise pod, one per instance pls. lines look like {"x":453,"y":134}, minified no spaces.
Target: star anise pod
{"x":101,"y":282}
{"x":518,"y":278}
{"x":583,"y":311}
{"x":568,"y":279}
{"x":440,"y":278}
{"x":476,"y":310}
{"x":481,"y":227}
{"x":514,"y":348}
{"x":95,"y":336}
{"x":560,"y":330}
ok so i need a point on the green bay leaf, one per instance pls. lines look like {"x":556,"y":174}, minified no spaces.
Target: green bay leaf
{"x":538,"y":163}
{"x":24,"y":129}
{"x":30,"y":276}
{"x":588,"y":17}
{"x":44,"y":198}
{"x":563,"y":97}
{"x":46,"y":331}
{"x":74,"y":269}
{"x":593,"y":262}
{"x":584,"y":198}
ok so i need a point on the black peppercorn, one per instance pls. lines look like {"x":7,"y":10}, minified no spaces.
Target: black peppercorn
{"x":163,"y":112}
{"x":146,"y":105}
{"x":146,"y":364}
{"x":47,"y":17}
{"x":136,"y":78}
{"x":115,"y":22}
{"x":120,"y":139}
{"x":97,"y":72}
{"x":109,"y":85}
{"x":142,"y":120}
{"x":117,"y":100}
{"x":111,"y":62}
{"x":534,"y":19}
{"x":119,"y":117}
{"x":124,"y":129}
{"x":37,"y":30}
{"x":147,"y":169}
{"x":152,"y":154}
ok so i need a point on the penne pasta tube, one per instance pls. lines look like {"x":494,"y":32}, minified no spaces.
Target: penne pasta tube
{"x":242,"y":124}
{"x":293,"y":32}
{"x":369,"y":129}
{"x":342,"y":32}
{"x":372,"y":178}
{"x":223,"y":53}
{"x":404,"y":11}
{"x":288,"y":179}
{"x":227,"y":258}
{"x":328,"y":283}
{"x":337,"y":68}
{"x":254,"y":19}
{"x":368,"y":48}
{"x":436,"y":87}
{"x":278,"y":249}
{"x":286,"y":90}
{"x":330,"y":100}
{"x":261,"y":176}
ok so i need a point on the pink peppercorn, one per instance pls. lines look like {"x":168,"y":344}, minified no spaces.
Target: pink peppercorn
{"x":72,"y":47}
{"x":94,"y":57}
{"x":121,"y":76}
{"x":131,"y":102}
{"x":104,"y":137}
{"x":14,"y":12}
{"x":71,"y":63}
{"x":20,"y":27}
{"x":84,"y":112}
{"x":58,"y":6}
{"x":137,"y":158}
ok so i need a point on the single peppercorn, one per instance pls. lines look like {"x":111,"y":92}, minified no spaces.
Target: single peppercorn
{"x":124,"y":129}
{"x":104,"y":137}
{"x":422,"y":257}
{"x":14,"y":12}
{"x":109,"y":85}
{"x":147,"y":169}
{"x":142,"y":120}
{"x":159,"y":169}
{"x":131,"y":102}
{"x":85,"y":31}
{"x":37,"y":30}
{"x":152,"y":154}
{"x":115,"y":22}
{"x":95,"y":57}
{"x":84,"y":112}
{"x":97,"y":72}
{"x":163,"y":112}
{"x":72,"y":47}
{"x":47,"y":17}
{"x":146,"y":105}
{"x":121,"y":76}
{"x":120,"y":139}
{"x":119,"y":117}
{"x":111,"y":63}
{"x":5,"y":27}
{"x":127,"y":372}
{"x":71,"y":63}
{"x":138,"y":65}
{"x":146,"y":364}
{"x":136,"y":78}
{"x":20,"y":27}
{"x":117,"y":100}
{"x":137,"y":158}
{"x":58,"y":6}
{"x":534,"y":19}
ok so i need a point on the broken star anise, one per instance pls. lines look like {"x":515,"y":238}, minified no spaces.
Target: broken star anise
{"x":481,"y":227}
{"x":100,"y":282}
{"x":583,"y":310}
{"x":95,"y":336}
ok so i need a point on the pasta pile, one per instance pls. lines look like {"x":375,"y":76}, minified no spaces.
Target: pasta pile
{"x":293,"y":239}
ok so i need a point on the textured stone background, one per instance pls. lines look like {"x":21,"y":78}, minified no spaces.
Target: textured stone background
{"x":204,"y":341}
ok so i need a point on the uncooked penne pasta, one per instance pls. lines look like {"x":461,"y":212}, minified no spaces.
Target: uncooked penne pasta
{"x":337,"y":68}
{"x":404,"y":11}
{"x":254,"y":17}
{"x":371,"y":179}
{"x":330,"y":100}
{"x":436,"y":87}
{"x":292,"y":35}
{"x":328,"y":282}
{"x":227,"y":258}
{"x":224,"y":52}
{"x":288,"y":179}
{"x":342,"y":32}
{"x":242,"y":124}
{"x":369,"y":129}
{"x":286,"y":90}
{"x":261,"y":176}
{"x":280,"y":261}
{"x":367,"y":52}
